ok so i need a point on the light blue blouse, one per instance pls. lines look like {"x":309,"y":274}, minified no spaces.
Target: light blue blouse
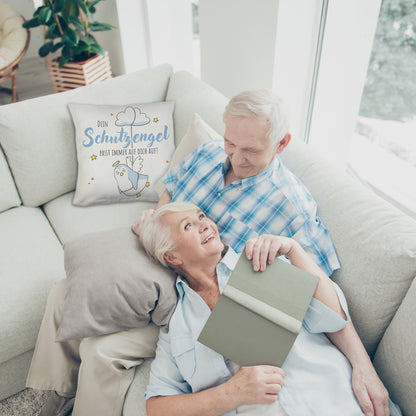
{"x":317,"y":375}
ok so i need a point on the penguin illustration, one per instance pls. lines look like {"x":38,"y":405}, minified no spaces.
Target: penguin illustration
{"x":129,"y":182}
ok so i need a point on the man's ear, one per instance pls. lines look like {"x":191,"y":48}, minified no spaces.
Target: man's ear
{"x":172,"y":259}
{"x":283,"y":143}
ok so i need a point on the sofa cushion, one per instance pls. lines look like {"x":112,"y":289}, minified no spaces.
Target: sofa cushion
{"x":41,"y":150}
{"x":9,"y":197}
{"x":122,"y":151}
{"x":394,"y":359}
{"x":31,"y":260}
{"x":113,"y":286}
{"x":70,"y":221}
{"x":198,"y":133}
{"x":374,"y":241}
{"x":192,"y":95}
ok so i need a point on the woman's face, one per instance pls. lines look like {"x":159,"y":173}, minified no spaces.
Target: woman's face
{"x":195,"y":236}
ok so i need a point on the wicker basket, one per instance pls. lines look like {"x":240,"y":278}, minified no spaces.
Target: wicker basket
{"x":78,"y":74}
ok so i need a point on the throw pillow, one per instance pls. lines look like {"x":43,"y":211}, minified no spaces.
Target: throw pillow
{"x":122,"y":151}
{"x":113,"y":285}
{"x":198,"y":133}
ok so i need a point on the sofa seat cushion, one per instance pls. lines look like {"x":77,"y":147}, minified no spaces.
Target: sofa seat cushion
{"x":41,"y":151}
{"x":9,"y":197}
{"x":70,"y":221}
{"x":375,"y":242}
{"x":31,"y":261}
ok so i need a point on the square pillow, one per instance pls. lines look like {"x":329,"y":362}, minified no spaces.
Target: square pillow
{"x":122,"y":151}
{"x":198,"y":133}
{"x":113,"y":286}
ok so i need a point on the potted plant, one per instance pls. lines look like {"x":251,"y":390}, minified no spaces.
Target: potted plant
{"x":68,"y":27}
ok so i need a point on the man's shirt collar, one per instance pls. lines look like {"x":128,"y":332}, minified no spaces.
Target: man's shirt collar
{"x":252,"y":180}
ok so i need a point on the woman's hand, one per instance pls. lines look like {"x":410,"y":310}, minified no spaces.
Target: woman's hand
{"x":255,"y":385}
{"x":141,"y":219}
{"x":264,"y":249}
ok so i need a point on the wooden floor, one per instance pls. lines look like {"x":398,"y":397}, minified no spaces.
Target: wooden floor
{"x":33,"y":80}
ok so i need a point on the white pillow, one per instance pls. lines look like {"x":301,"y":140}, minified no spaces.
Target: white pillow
{"x":198,"y":133}
{"x":122,"y":151}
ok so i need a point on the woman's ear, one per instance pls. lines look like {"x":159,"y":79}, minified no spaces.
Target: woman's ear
{"x":170,"y":258}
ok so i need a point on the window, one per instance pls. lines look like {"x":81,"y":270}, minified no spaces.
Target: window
{"x":383,"y":147}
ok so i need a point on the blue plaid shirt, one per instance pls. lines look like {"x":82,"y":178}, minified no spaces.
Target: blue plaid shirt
{"x":273,"y":202}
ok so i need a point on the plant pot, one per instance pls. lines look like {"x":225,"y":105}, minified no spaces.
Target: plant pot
{"x":78,"y":74}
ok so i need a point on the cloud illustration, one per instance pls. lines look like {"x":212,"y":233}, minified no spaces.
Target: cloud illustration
{"x":132,"y":116}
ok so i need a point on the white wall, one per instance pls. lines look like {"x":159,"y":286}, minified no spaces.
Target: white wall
{"x":170,"y":33}
{"x":238,"y":42}
{"x":130,"y":49}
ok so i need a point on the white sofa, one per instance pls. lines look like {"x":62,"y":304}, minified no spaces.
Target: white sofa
{"x":376,"y":243}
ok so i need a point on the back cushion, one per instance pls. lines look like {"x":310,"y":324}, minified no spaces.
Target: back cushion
{"x":38,"y":135}
{"x":394,"y":360}
{"x":375,"y":242}
{"x":9,"y":197}
{"x":191,"y":95}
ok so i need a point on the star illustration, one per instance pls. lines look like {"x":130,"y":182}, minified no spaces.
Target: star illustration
{"x":155,"y":120}
{"x":93,"y":157}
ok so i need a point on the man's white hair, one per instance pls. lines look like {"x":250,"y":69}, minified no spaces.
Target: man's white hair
{"x":156,"y":235}
{"x":261,"y":103}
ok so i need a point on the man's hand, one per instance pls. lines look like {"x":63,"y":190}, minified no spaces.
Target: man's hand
{"x":255,"y":385}
{"x":264,"y":249}
{"x":141,"y":219}
{"x":370,"y":392}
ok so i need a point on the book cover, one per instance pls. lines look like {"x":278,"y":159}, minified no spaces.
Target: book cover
{"x":259,"y":314}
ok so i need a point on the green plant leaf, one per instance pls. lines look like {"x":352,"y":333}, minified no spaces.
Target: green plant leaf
{"x":52,"y":32}
{"x":81,"y":4}
{"x":92,"y":3}
{"x":45,"y":49}
{"x":44,"y":15}
{"x":34,"y":22}
{"x":62,"y":61}
{"x":57,"y":46}
{"x":70,"y":9}
{"x":82,"y":47}
{"x":77,"y":23}
{"x":70,"y":37}
{"x":66,"y":52}
{"x":63,"y":23}
{"x":96,"y":48}
{"x":58,"y":5}
{"x":100,"y":27}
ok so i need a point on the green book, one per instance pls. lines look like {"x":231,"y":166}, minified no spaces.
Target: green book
{"x":259,"y":314}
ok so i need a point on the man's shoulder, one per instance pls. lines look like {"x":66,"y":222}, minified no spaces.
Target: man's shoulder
{"x":288,"y":183}
{"x":212,"y":146}
{"x":210,"y":150}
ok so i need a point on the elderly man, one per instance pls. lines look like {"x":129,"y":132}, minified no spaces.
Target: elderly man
{"x":242,"y":185}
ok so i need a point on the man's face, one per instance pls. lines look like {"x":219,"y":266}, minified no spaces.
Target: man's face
{"x":247,"y":146}
{"x":195,"y":236}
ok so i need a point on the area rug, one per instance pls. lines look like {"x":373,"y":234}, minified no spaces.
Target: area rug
{"x":26,"y":403}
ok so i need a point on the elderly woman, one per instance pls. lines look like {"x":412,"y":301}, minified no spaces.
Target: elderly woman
{"x":188,"y":378}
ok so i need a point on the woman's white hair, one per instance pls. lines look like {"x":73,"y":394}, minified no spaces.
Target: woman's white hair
{"x":261,"y":103}
{"x":155,"y":234}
